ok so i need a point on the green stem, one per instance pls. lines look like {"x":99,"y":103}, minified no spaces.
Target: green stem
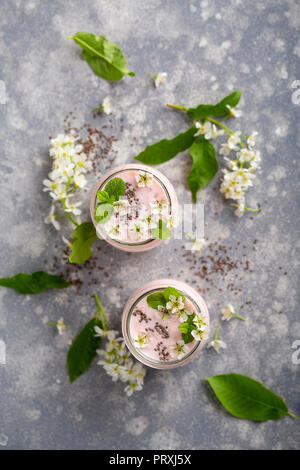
{"x":252,"y":210}
{"x":291,"y":415}
{"x":101,"y":311}
{"x":238,"y":316}
{"x":216,"y":334}
{"x":218,"y":123}
{"x":177,"y":106}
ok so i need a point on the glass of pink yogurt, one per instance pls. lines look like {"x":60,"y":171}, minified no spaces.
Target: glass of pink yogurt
{"x":165,"y":323}
{"x":139,"y":218}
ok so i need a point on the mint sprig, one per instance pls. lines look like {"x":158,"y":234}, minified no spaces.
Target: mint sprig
{"x":205,"y":164}
{"x":162,"y":297}
{"x":186,"y":329}
{"x":114,"y":189}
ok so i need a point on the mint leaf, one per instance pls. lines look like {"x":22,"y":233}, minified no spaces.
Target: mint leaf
{"x":172,"y":291}
{"x":166,"y":149}
{"x":205,"y":165}
{"x":156,"y":299}
{"x":104,"y":57}
{"x":246,"y":398}
{"x":116,"y":188}
{"x":203,"y":111}
{"x":103,"y":212}
{"x":83,"y":350}
{"x":83,"y":238}
{"x":161,"y":231}
{"x":186,"y":329}
{"x":103,"y":196}
{"x":34,"y":283}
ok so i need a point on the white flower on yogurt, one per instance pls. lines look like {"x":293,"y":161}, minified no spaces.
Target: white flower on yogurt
{"x":115,"y":230}
{"x":144,"y":179}
{"x":171,"y":222}
{"x":164,"y":312}
{"x":121,"y":206}
{"x":199,"y":332}
{"x":151,"y":220}
{"x":142,"y":340}
{"x":137,"y":230}
{"x":158,"y":207}
{"x":179,"y":349}
{"x":175,"y":304}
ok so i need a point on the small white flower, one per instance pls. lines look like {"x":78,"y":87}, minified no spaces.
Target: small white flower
{"x":234,"y":140}
{"x":121,"y":206}
{"x":200,"y":323}
{"x":79,"y":180}
{"x":252,"y":139}
{"x":142,"y":340}
{"x":133,"y":387}
{"x":245,"y":155}
{"x":240,"y":208}
{"x":112,"y":343}
{"x":106,"y":106}
{"x":198,"y":245}
{"x":137,"y":230}
{"x":158,"y":207}
{"x":179,"y":350}
{"x":198,"y":334}
{"x":73,"y":207}
{"x":164,"y":312}
{"x":144,"y":179}
{"x":159,"y":78}
{"x":50,"y":185}
{"x":216,"y":343}
{"x":51,"y":218}
{"x":233,"y":111}
{"x":182,"y":315}
{"x":150,"y":220}
{"x":82,"y":163}
{"x":109,"y":334}
{"x":171,"y":222}
{"x":115,"y":231}
{"x":175,"y":304}
{"x":205,"y":129}
{"x":215,"y":132}
{"x":228,"y":312}
{"x":61,"y":327}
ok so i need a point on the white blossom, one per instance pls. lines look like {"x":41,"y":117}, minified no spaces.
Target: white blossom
{"x":51,"y":218}
{"x":205,"y":129}
{"x":217,"y":344}
{"x":159,"y":78}
{"x":158,"y":207}
{"x":61,"y":327}
{"x":144,"y":179}
{"x":179,"y":349}
{"x":175,"y":304}
{"x":142,"y":340}
{"x":106,"y":106}
{"x":73,"y":207}
{"x":251,"y":140}
{"x":137,"y":230}
{"x":233,"y":111}
{"x":121,"y":206}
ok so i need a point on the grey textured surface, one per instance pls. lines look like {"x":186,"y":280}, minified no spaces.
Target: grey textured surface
{"x":208,"y":49}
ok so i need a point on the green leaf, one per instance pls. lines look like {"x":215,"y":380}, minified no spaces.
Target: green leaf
{"x":186,"y":329}
{"x":246,"y":398}
{"x":83,"y":238}
{"x":34,"y":283}
{"x":203,"y":111}
{"x":83,"y":350}
{"x":103,"y":212}
{"x":205,"y":165}
{"x":116,"y":188}
{"x":103,"y":196}
{"x":166,"y":149}
{"x":104,"y":57}
{"x":161,"y":231}
{"x":172,"y":291}
{"x":156,"y":299}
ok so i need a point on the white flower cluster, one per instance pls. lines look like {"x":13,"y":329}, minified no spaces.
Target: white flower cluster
{"x":241,"y":171}
{"x":142,"y":219}
{"x":118,"y":362}
{"x":68,"y":174}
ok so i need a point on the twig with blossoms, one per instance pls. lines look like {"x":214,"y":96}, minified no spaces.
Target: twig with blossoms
{"x":116,"y":359}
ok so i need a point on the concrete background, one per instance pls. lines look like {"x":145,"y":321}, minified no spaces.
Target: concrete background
{"x":208,"y":49}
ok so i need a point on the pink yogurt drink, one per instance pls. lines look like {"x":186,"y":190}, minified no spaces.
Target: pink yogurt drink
{"x":165,"y":323}
{"x":143,"y":216}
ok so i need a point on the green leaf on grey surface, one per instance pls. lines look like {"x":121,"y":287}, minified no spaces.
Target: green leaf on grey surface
{"x":161,"y":231}
{"x":34,"y":283}
{"x":205,"y":165}
{"x":186,"y":329}
{"x":165,"y":149}
{"x":162,"y":297}
{"x":104,"y":57}
{"x":246,"y":398}
{"x":83,"y":238}
{"x":83,"y":350}
{"x":203,"y":111}
{"x":116,"y":188}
